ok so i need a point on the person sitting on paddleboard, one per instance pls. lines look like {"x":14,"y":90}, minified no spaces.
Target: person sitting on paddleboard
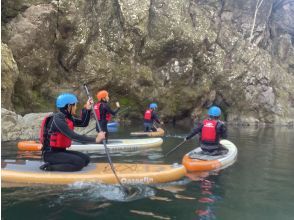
{"x":103,"y":111}
{"x":150,"y":117}
{"x":211,"y":129}
{"x":57,"y":133}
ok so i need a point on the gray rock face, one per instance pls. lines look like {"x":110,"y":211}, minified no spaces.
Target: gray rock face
{"x":9,"y":75}
{"x":16,"y":127}
{"x":185,"y":55}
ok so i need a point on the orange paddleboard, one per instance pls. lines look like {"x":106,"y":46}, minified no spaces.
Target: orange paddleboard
{"x":28,"y":172}
{"x":158,"y":133}
{"x":195,"y":160}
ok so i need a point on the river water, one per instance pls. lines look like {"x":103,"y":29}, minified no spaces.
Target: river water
{"x":259,"y":185}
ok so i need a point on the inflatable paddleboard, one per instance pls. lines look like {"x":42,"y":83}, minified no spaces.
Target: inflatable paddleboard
{"x":28,"y":172}
{"x":196,"y":160}
{"x":113,"y":145}
{"x":158,"y":133}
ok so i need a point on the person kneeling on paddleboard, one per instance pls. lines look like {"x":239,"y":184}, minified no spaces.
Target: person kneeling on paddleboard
{"x":211,"y":129}
{"x":150,"y":117}
{"x":57,"y":133}
{"x":104,"y":112}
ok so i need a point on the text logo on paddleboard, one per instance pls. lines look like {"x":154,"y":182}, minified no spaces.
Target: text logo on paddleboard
{"x":144,"y":180}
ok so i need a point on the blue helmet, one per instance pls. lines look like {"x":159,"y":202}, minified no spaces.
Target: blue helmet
{"x":65,"y":99}
{"x":153,"y":105}
{"x":214,"y":111}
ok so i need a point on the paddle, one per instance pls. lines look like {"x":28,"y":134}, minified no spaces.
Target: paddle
{"x":104,"y":143}
{"x":180,"y":144}
{"x":155,"y":125}
{"x":165,"y":129}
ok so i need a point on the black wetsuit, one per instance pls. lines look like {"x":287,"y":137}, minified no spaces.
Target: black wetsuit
{"x":213,"y":148}
{"x":105,"y":109}
{"x":61,"y":159}
{"x":149,"y":124}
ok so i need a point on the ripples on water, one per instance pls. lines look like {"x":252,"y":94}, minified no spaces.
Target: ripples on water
{"x":258,"y":186}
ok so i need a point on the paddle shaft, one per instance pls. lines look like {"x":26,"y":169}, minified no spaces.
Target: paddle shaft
{"x":104,"y":141}
{"x":172,"y":150}
{"x":165,"y":128}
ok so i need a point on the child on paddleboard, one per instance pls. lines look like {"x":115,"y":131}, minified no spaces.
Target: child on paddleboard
{"x":150,"y":117}
{"x":103,"y":111}
{"x":57,"y":133}
{"x":212,"y":130}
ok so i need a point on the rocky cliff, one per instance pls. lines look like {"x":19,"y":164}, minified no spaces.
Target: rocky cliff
{"x":183,"y":54}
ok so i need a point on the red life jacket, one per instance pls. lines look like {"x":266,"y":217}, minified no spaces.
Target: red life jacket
{"x":148,"y":114}
{"x":208,"y":133}
{"x":98,"y":113}
{"x":44,"y":131}
{"x":59,"y":140}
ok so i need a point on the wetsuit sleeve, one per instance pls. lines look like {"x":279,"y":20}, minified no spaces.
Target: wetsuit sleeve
{"x":84,"y":120}
{"x":109,"y":110}
{"x":222,"y":130}
{"x":61,"y":125}
{"x":155,"y":117}
{"x":195,"y":131}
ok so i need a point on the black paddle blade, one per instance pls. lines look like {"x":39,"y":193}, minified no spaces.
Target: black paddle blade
{"x":132,"y":193}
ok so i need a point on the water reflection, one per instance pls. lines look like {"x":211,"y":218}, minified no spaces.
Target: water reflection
{"x":207,"y":200}
{"x":151,"y":214}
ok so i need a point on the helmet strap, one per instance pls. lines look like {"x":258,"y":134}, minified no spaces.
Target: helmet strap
{"x":69,"y":109}
{"x":64,"y":110}
{"x":70,"y":106}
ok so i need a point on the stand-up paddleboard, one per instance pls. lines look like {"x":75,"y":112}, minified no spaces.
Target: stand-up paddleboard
{"x":158,"y":133}
{"x":28,"y":172}
{"x":197,"y":160}
{"x":113,"y":145}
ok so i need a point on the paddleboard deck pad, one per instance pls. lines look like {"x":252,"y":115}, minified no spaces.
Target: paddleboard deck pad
{"x":201,"y":155}
{"x":28,"y":172}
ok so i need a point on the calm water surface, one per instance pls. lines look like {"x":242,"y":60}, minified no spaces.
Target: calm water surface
{"x":259,"y":185}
